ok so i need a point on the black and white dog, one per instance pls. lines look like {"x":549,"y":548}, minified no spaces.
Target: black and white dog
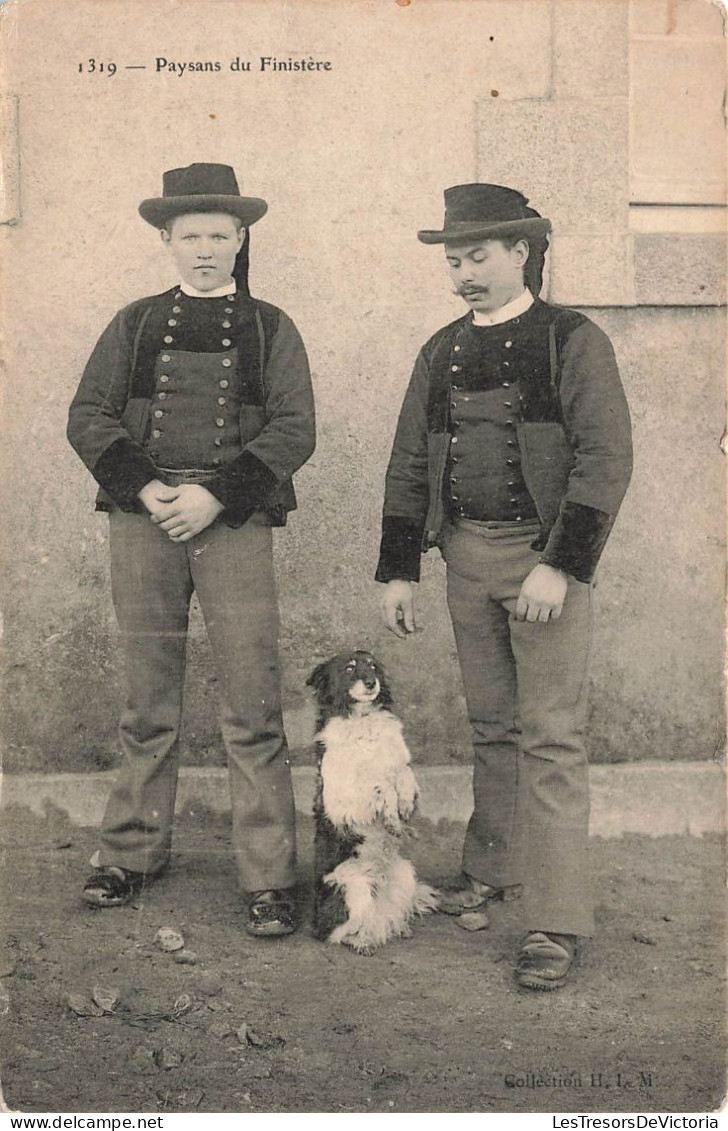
{"x":366,"y":892}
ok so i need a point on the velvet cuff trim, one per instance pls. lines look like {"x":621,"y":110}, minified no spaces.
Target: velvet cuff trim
{"x":577,"y":539}
{"x":122,"y":470}
{"x":243,"y":486}
{"x":401,"y":547}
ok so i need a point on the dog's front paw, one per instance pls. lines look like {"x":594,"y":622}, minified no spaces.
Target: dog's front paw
{"x":366,"y":950}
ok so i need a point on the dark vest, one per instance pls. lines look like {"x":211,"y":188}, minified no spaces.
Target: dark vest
{"x":490,"y":367}
{"x":195,"y":416}
{"x":199,"y":361}
{"x":173,"y":322}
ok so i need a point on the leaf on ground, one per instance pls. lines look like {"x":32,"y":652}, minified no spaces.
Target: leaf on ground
{"x":182,"y":1005}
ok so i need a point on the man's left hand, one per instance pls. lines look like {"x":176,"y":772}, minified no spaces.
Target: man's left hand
{"x":542,"y":594}
{"x":191,"y":510}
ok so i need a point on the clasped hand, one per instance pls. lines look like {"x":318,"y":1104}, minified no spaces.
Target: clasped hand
{"x":181,"y":512}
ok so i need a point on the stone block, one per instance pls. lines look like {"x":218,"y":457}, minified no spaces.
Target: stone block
{"x":678,"y":127}
{"x":570,"y":158}
{"x":685,"y":219}
{"x":502,"y":45}
{"x":591,"y":56}
{"x":689,"y":19}
{"x":592,"y":270}
{"x":677,"y":270}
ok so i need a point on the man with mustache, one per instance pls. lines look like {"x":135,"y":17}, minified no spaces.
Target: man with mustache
{"x":512,"y":454}
{"x":192,"y":414}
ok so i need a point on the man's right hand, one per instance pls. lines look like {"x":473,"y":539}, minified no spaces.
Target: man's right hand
{"x":398,"y":608}
{"x":155,"y":493}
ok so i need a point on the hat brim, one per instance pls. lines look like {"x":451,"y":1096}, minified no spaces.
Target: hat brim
{"x":533,"y":226}
{"x":159,"y":210}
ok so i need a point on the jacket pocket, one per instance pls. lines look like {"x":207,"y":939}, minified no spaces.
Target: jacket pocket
{"x":438,"y":444}
{"x":135,"y":418}
{"x":252,"y":422}
{"x":546,"y":463}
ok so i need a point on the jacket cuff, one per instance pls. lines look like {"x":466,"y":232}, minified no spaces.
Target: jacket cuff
{"x":577,"y":539}
{"x":122,"y":470}
{"x":243,"y":487}
{"x":401,"y":547}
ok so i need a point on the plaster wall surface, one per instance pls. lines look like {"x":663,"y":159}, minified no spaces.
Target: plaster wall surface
{"x":352,"y":162}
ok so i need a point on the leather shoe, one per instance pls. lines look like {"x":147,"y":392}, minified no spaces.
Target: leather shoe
{"x":271,"y":913}
{"x":109,"y":886}
{"x":472,"y":895}
{"x":545,"y":960}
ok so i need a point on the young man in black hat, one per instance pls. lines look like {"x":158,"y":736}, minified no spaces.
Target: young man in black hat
{"x":512,"y":454}
{"x":192,"y":414}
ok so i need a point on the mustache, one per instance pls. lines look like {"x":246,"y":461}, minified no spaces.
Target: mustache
{"x":464,"y":290}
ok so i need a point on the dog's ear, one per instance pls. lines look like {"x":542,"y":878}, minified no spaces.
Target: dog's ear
{"x":319,"y":678}
{"x":385,"y":692}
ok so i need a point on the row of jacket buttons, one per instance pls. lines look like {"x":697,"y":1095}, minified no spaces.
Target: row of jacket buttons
{"x":457,"y":348}
{"x":456,"y":388}
{"x":158,"y":412}
{"x":226,"y":324}
{"x":164,"y":378}
{"x":456,"y":367}
{"x":226,"y":363}
{"x":216,"y":462}
{"x":219,"y":423}
{"x":154,"y":453}
{"x":454,"y":404}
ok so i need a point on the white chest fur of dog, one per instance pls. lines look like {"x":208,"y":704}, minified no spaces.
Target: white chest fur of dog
{"x":368,"y":788}
{"x":366,"y":771}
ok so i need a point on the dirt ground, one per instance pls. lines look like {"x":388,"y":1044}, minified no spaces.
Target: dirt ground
{"x":433,"y":1024}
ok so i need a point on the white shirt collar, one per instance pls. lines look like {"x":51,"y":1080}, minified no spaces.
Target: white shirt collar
{"x":504,"y":313}
{"x":192,"y":292}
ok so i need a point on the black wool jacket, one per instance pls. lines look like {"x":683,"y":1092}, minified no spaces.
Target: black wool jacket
{"x":109,"y":418}
{"x":573,"y":431}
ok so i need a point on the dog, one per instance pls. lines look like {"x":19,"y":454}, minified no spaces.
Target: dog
{"x":366,"y":892}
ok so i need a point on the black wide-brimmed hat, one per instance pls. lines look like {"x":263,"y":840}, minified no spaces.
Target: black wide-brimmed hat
{"x":480,"y":211}
{"x":201,"y":188}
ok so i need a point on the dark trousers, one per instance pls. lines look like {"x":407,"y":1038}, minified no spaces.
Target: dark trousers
{"x":152,"y":583}
{"x":526,"y":692}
